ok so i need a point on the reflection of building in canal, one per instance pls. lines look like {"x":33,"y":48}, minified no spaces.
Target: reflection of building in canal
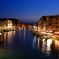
{"x":46,"y":46}
{"x":8,"y":37}
{"x":38,"y":42}
{"x":55,"y":45}
{"x":24,"y":34}
{"x":48,"y":49}
{"x":34,"y":42}
{"x":1,"y":40}
{"x":43,"y":45}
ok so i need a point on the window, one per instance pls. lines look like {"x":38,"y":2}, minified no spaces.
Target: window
{"x":56,"y":19}
{"x":56,"y":22}
{"x":50,"y":24}
{"x":57,"y":26}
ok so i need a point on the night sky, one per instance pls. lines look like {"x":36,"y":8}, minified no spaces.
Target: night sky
{"x":28,"y":10}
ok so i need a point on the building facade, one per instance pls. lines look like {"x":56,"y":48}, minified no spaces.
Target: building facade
{"x":9,"y":24}
{"x":49,"y":23}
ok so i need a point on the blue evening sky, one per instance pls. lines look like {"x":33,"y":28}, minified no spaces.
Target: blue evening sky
{"x":28,"y":10}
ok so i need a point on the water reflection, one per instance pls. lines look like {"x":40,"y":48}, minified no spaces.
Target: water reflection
{"x":5,"y":36}
{"x":49,"y":42}
{"x":55,"y":45}
{"x":8,"y":37}
{"x":43,"y":44}
{"x":38,"y":42}
{"x":48,"y":49}
{"x":24,"y":34}
{"x":45,"y":47}
{"x":34,"y":41}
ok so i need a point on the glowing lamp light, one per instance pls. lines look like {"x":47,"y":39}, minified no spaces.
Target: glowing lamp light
{"x":44,"y":28}
{"x":49,"y":42}
{"x":34,"y":27}
{"x":0,"y":33}
{"x":9,"y":25}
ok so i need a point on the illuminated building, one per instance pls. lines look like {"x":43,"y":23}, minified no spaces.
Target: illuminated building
{"x":9,"y":24}
{"x":49,"y":23}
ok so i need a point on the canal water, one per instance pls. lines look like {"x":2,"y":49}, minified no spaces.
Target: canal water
{"x":23,"y":44}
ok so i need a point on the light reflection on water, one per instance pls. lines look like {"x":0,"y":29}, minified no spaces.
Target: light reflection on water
{"x":47,"y":45}
{"x":34,"y":41}
{"x":16,"y":39}
{"x":48,"y":49}
{"x":38,"y":43}
{"x":24,"y":34}
{"x":43,"y":46}
{"x":8,"y":37}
